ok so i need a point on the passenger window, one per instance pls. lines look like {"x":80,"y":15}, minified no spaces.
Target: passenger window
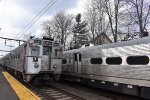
{"x":96,"y":60}
{"x":138,"y":60}
{"x":46,"y":50}
{"x":35,"y":51}
{"x":79,"y":57}
{"x":114,"y":60}
{"x":64,"y":61}
{"x":75,"y":57}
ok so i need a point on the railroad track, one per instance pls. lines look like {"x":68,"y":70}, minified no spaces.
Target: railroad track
{"x":63,"y":91}
{"x":57,"y":94}
{"x":51,"y":93}
{"x":90,"y":91}
{"x":47,"y":92}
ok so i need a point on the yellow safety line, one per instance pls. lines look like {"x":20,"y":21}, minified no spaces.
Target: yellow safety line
{"x":21,"y":90}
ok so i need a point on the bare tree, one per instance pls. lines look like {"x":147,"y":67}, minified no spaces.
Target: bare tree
{"x":96,"y":18}
{"x":107,"y":13}
{"x":118,"y":16}
{"x":59,"y":27}
{"x":48,"y":28}
{"x":139,"y":11}
{"x":112,"y":9}
{"x":91,"y":17}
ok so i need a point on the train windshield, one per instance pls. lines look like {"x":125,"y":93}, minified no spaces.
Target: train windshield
{"x":35,"y":50}
{"x":46,"y":50}
{"x":57,"y":53}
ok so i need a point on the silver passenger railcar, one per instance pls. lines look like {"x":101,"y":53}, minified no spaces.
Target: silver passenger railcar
{"x":25,"y":60}
{"x":121,"y":67}
{"x":36,"y":58}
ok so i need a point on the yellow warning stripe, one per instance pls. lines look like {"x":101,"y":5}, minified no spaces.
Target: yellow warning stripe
{"x":21,"y":90}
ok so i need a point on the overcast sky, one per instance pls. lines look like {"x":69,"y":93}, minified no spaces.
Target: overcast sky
{"x":16,"y":14}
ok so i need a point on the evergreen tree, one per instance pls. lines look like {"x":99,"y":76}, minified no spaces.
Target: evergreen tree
{"x":80,"y":30}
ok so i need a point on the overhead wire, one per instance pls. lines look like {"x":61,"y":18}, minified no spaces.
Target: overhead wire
{"x":36,"y":18}
{"x":29,"y":25}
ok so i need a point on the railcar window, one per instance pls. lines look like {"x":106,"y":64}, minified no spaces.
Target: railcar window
{"x":19,"y":56}
{"x":56,"y":44}
{"x":64,"y":61}
{"x":57,"y":53}
{"x":75,"y":57}
{"x":114,"y":60}
{"x":79,"y":57}
{"x":96,"y":60}
{"x":46,"y":50}
{"x":69,"y":60}
{"x":16,"y":56}
{"x":137,"y":60}
{"x":35,"y":51}
{"x":39,"y":42}
{"x":47,"y":43}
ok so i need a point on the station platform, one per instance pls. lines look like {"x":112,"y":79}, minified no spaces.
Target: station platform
{"x":11,"y":89}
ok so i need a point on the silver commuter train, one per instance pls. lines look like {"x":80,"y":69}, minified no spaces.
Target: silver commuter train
{"x":122,"y":67}
{"x":27,"y":61}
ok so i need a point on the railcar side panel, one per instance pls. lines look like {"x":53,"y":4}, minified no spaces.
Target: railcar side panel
{"x":124,"y":64}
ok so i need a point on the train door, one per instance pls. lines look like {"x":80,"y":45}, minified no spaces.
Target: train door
{"x":56,"y":60}
{"x":77,"y":63}
{"x":46,"y":58}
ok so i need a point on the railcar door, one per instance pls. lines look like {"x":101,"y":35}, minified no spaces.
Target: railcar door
{"x":77,"y":63}
{"x":46,"y":58}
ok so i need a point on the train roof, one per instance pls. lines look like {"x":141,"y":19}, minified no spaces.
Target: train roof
{"x":143,"y":40}
{"x":21,"y":46}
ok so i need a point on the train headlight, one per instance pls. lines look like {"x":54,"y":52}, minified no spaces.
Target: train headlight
{"x":55,"y":66}
{"x":36,"y":65}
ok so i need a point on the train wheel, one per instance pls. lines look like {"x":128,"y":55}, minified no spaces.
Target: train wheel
{"x":56,"y":77}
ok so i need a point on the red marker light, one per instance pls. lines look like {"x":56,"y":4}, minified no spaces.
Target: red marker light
{"x":61,"y":49}
{"x":30,"y":44}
